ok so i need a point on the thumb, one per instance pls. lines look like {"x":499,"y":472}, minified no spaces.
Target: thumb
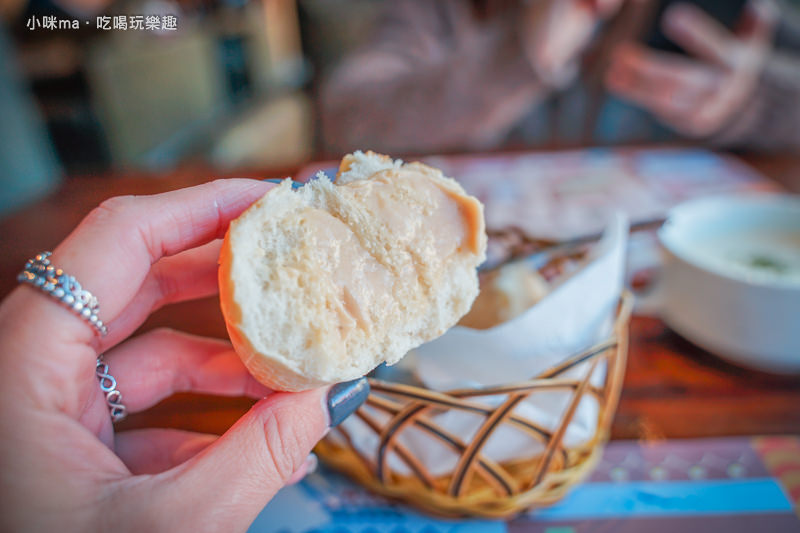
{"x":758,"y":21}
{"x":226,"y":486}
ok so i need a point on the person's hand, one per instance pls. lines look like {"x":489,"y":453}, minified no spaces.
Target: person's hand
{"x":62,"y":468}
{"x":555,"y":33}
{"x":696,"y":96}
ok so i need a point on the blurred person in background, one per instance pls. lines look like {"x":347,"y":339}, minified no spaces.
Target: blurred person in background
{"x":457,"y":74}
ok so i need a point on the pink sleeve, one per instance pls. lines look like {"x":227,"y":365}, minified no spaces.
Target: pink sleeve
{"x":433,"y":78}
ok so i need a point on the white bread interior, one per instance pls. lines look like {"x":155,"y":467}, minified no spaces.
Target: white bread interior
{"x":322,"y":284}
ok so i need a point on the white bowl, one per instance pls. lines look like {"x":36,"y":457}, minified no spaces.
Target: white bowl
{"x":731,"y":278}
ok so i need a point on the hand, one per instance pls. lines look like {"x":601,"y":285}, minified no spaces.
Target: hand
{"x":555,"y":32}
{"x":61,"y":466}
{"x":696,"y":97}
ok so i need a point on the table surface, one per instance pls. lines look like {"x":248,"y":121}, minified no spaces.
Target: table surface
{"x":731,"y":484}
{"x":672,"y":389}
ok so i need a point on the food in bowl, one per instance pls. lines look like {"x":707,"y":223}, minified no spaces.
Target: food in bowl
{"x":757,"y":256}
{"x":730,"y":280}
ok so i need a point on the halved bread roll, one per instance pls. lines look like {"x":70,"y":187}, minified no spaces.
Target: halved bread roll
{"x":322,"y":284}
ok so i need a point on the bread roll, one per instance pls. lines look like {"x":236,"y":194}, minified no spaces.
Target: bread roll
{"x":322,"y":284}
{"x":505,"y":294}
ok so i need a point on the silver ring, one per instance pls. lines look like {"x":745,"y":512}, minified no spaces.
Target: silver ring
{"x":40,"y":273}
{"x":108,"y":384}
{"x":61,"y":286}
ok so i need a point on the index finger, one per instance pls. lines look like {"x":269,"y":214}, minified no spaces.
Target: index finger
{"x":699,"y":34}
{"x":111,"y":251}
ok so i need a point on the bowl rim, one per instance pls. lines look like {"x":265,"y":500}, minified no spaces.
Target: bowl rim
{"x":767,"y":200}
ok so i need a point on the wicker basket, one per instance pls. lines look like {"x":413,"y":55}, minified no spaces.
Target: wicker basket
{"x":479,"y":486}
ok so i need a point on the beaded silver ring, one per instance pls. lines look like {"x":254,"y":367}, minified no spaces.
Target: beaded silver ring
{"x":40,"y":273}
{"x":59,"y":285}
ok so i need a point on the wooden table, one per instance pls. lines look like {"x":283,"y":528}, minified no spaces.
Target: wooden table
{"x":672,"y":389}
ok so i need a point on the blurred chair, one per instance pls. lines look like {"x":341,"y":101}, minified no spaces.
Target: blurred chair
{"x":155,"y":92}
{"x":164,"y":98}
{"x":277,"y":133}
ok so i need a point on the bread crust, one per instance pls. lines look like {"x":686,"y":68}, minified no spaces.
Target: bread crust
{"x":267,"y":369}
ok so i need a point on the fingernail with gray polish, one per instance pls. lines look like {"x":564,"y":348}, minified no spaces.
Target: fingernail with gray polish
{"x":344,"y":398}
